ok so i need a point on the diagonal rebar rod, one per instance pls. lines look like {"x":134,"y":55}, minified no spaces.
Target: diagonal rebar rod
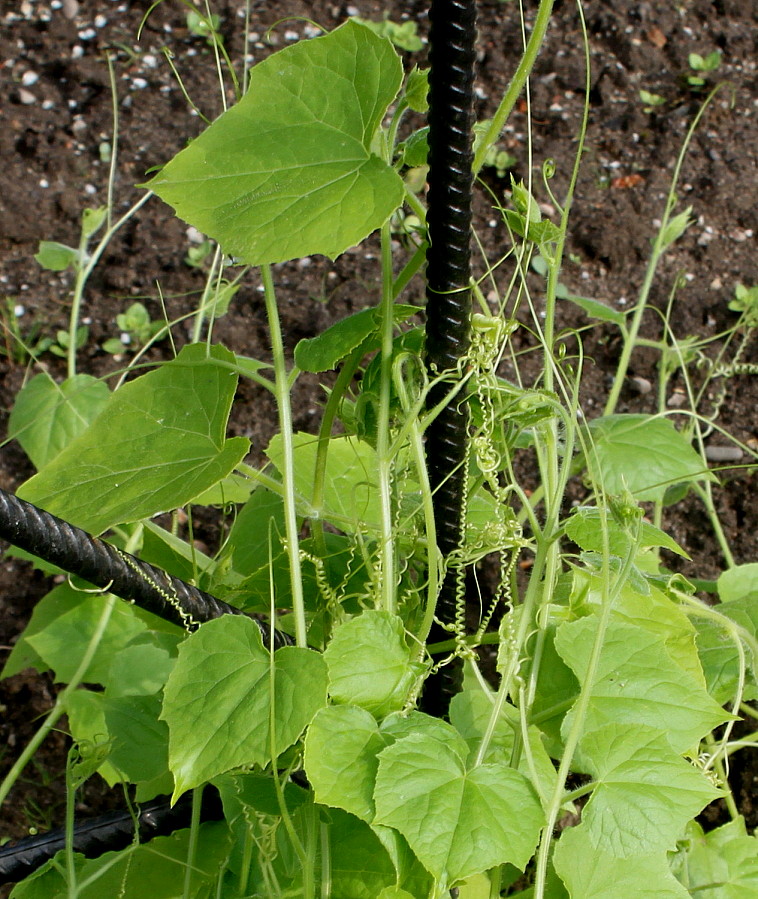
{"x":107,"y":833}
{"x":452,"y":56}
{"x":102,"y":564}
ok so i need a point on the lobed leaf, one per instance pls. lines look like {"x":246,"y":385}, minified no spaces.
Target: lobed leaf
{"x":370,"y":663}
{"x":288,"y":171}
{"x":637,"y":682}
{"x":47,"y":416}
{"x":157,"y":444}
{"x":219,"y":705}
{"x":645,"y":792}
{"x":643,"y":455}
{"x":591,"y":873}
{"x":457,"y":822}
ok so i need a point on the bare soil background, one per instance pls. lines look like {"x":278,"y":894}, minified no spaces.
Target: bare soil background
{"x":56,"y":112}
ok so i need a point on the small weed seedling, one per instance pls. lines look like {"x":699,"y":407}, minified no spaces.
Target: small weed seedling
{"x":137,"y":330}
{"x":702,"y":66}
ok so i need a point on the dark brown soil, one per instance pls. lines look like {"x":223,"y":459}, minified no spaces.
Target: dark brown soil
{"x":56,"y":115}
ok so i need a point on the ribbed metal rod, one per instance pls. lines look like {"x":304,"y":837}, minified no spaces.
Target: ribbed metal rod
{"x":452,"y":55}
{"x":107,"y":833}
{"x":74,"y":550}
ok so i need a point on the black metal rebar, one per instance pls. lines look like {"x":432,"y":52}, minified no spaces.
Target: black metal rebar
{"x":107,"y":833}
{"x":452,"y":55}
{"x":74,"y":550}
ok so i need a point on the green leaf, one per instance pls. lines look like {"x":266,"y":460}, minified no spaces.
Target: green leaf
{"x":402,"y":35}
{"x":57,"y":602}
{"x":157,"y":868}
{"x":470,"y":712}
{"x":56,"y":257}
{"x":341,"y":749}
{"x":86,"y":721}
{"x":139,"y":748}
{"x":328,"y":349}
{"x":93,"y":220}
{"x":637,"y":682}
{"x":458,"y":823}
{"x":156,"y":445}
{"x":675,"y":227}
{"x":722,"y":864}
{"x":64,"y":641}
{"x":169,"y":552}
{"x":351,"y":493}
{"x":739,"y":582}
{"x":289,"y":171}
{"x":637,"y":771}
{"x":416,"y":148}
{"x":643,"y":455}
{"x":591,"y":873}
{"x":46,"y":416}
{"x":141,"y":668}
{"x":596,"y":309}
{"x":719,"y":658}
{"x":586,"y":526}
{"x":417,"y":89}
{"x":360,"y":865}
{"x":218,"y":700}
{"x":370,"y":663}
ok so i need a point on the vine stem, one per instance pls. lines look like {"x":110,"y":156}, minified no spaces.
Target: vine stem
{"x":580,"y":713}
{"x":517,"y":83}
{"x":387,"y":549}
{"x":659,"y":248}
{"x":282,"y":393}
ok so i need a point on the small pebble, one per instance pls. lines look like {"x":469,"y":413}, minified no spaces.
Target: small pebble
{"x":723,"y":453}
{"x":87,"y":34}
{"x":29,"y":78}
{"x":70,"y":8}
{"x":26,"y":97}
{"x":640,"y":385}
{"x":676,"y":400}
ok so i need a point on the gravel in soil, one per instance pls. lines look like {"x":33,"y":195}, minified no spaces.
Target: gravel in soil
{"x":56,"y":136}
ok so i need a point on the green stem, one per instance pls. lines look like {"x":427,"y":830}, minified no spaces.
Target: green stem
{"x":194,"y":834}
{"x":659,"y":248}
{"x":384,"y":460}
{"x":281,"y":383}
{"x":341,"y":385}
{"x":580,"y":713}
{"x":517,"y":84}
{"x":197,"y":327}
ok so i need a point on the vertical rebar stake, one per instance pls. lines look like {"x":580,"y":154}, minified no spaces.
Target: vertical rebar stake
{"x":452,"y":55}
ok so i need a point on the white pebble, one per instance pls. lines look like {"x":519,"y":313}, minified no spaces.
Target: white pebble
{"x":26,"y":97}
{"x":90,"y":190}
{"x":87,"y":34}
{"x":100,"y":21}
{"x":29,"y":78}
{"x":19,"y":310}
{"x":77,"y":51}
{"x":139,"y":84}
{"x":43,"y":183}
